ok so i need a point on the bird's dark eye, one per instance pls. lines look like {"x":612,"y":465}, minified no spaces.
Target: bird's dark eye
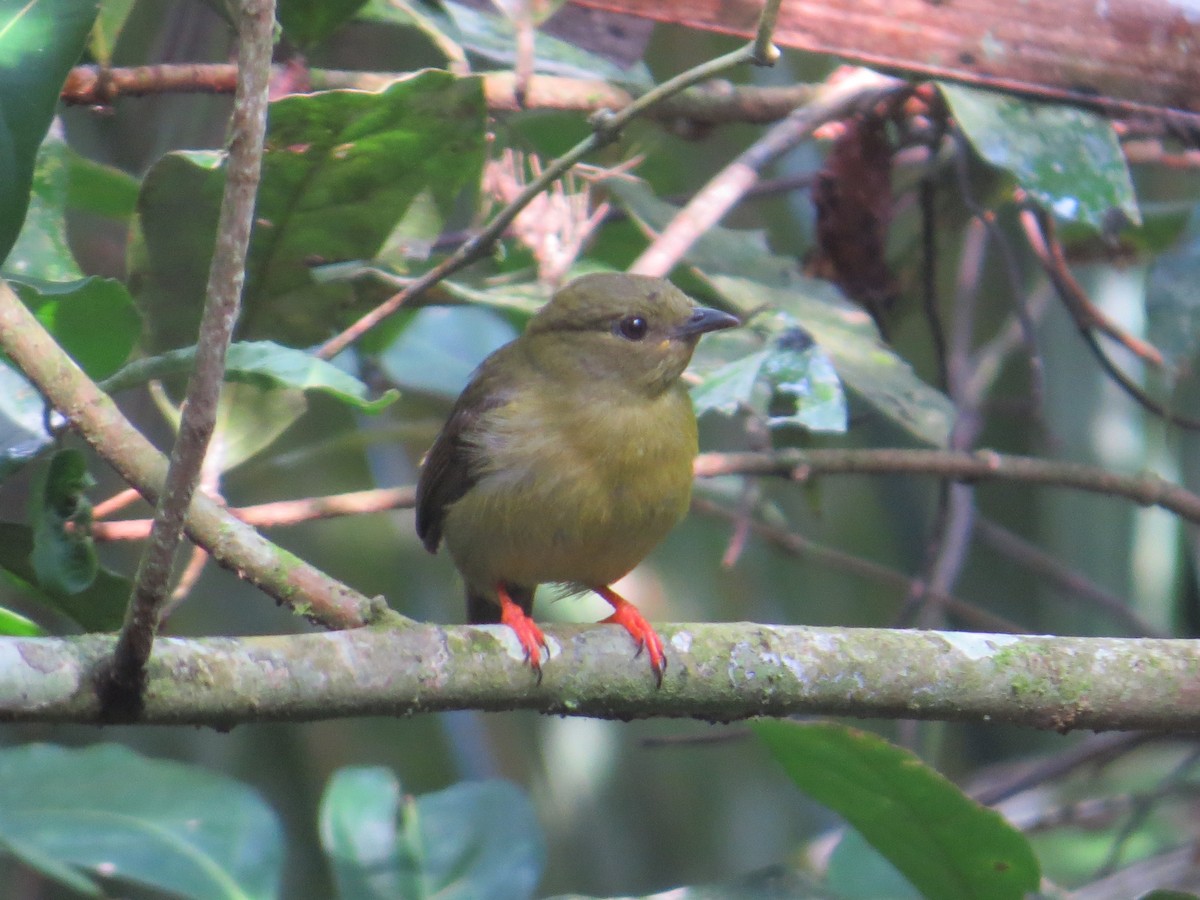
{"x":633,"y":328}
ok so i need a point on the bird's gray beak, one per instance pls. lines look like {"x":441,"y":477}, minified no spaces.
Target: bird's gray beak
{"x":704,"y":320}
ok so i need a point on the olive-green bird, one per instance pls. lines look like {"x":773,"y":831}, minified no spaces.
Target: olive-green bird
{"x":568,"y":456}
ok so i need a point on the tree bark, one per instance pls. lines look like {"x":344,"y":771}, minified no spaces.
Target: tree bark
{"x":716,"y":672}
{"x":1119,"y":54}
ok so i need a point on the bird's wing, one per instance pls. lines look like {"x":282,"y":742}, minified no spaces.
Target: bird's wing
{"x":447,"y":472}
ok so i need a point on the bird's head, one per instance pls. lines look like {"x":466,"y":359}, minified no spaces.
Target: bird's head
{"x":630,"y":331}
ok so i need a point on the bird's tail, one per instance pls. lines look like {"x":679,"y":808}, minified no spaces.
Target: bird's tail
{"x":483,"y":609}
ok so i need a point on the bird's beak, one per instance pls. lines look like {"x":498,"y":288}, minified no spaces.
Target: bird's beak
{"x":704,"y":320}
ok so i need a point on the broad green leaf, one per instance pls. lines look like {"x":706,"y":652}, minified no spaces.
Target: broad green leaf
{"x":475,"y":839}
{"x":308,"y":22}
{"x":263,"y":363}
{"x":101,"y":607}
{"x":428,"y":19}
{"x":107,"y":29}
{"x":1067,"y":158}
{"x":13,"y":624}
{"x":93,"y":319}
{"x":41,"y":249}
{"x":863,"y":362}
{"x":250,"y":417}
{"x":942,"y":841}
{"x":107,"y":811}
{"x":341,"y":168}
{"x":64,"y":558}
{"x":98,"y":189}
{"x":39,"y":42}
{"x":441,"y":345}
{"x":494,"y":37}
{"x":724,"y":251}
{"x":790,"y":382}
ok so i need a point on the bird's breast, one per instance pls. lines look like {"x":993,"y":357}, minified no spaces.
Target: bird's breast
{"x":573,"y":492}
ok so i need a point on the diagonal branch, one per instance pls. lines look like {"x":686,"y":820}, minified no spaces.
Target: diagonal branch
{"x":232,"y":543}
{"x":606,"y":129}
{"x":723,"y":192}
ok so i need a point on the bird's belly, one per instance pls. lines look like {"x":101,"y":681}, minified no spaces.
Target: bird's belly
{"x":584,"y":526}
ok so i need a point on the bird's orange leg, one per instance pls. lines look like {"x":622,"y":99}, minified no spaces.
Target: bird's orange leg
{"x":529,"y":635}
{"x":627,"y":616}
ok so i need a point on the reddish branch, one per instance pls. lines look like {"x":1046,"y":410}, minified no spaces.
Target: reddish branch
{"x":281,"y":513}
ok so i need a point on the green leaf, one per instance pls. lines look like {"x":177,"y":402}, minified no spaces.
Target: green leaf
{"x":64,"y":558}
{"x":41,"y":249}
{"x":476,"y":839}
{"x":725,"y":251}
{"x":262,"y":363}
{"x":101,"y":607}
{"x":103,"y":40}
{"x":494,"y":37}
{"x":39,"y":42}
{"x":441,"y":345}
{"x":863,"y":362}
{"x":1067,"y":158}
{"x":308,"y":22}
{"x":791,"y":382}
{"x":341,"y":168}
{"x":98,"y":189}
{"x":105,"y":810}
{"x":13,"y":624}
{"x":945,"y":843}
{"x":71,"y":312}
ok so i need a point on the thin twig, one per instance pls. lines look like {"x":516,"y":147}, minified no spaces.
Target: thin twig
{"x":722,"y":193}
{"x":981,"y":465}
{"x":1043,"y":240}
{"x":606,"y":129}
{"x":1097,"y":748}
{"x":1012,"y":268}
{"x":715,"y":103}
{"x":281,"y":513}
{"x":800,"y":546}
{"x":1070,"y":581}
{"x":1039,"y":231}
{"x":223,"y":299}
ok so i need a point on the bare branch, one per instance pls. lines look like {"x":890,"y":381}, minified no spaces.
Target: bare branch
{"x":981,"y":465}
{"x":256,"y":22}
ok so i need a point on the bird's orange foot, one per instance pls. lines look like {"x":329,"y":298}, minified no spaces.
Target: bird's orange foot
{"x":526,"y":630}
{"x":627,"y":616}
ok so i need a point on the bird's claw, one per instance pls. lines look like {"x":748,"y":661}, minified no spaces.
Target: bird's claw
{"x":529,"y":636}
{"x":647,"y":639}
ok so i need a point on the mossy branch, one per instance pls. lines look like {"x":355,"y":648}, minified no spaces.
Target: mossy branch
{"x":716,"y":672}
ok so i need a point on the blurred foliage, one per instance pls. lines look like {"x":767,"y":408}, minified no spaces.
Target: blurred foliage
{"x":107,"y":223}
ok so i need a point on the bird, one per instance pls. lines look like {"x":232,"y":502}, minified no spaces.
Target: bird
{"x":568,"y":456}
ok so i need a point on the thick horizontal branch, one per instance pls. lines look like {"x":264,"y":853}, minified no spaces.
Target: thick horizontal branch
{"x":717,"y":672}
